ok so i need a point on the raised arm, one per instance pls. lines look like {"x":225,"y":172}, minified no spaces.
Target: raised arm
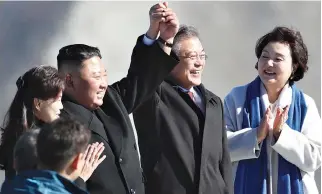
{"x":151,"y":60}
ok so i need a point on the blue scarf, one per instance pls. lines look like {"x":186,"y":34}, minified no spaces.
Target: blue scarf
{"x":252,"y":176}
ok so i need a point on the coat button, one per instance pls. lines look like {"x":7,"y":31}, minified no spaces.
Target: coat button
{"x":120,"y":160}
{"x":132,"y":191}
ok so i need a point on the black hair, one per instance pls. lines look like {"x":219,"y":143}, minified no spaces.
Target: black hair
{"x":73,"y":55}
{"x":59,"y":141}
{"x":298,"y":49}
{"x":42,"y":82}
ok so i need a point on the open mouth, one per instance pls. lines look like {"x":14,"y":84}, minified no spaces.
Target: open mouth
{"x":270,"y":73}
{"x":195,"y":72}
{"x":100,"y":95}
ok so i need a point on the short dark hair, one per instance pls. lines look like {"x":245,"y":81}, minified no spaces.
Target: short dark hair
{"x":184,"y":32}
{"x":25,"y":152}
{"x":74,"y":55}
{"x":298,"y":49}
{"x":58,"y":142}
{"x":43,"y":82}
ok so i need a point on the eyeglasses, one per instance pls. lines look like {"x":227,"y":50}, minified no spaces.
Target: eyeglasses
{"x":196,"y":56}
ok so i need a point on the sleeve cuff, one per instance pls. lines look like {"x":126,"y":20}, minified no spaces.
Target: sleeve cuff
{"x":257,"y":146}
{"x":282,"y":138}
{"x":80,"y":183}
{"x":242,"y":144}
{"x":147,"y":41}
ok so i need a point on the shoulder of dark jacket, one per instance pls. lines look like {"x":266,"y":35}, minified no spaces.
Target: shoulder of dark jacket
{"x":210,"y":95}
{"x":77,"y":112}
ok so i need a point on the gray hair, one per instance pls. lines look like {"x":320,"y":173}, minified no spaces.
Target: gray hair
{"x":184,"y":32}
{"x":25,"y":151}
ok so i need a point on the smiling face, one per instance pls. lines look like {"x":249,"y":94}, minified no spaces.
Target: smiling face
{"x":90,"y":83}
{"x":192,"y":62}
{"x":48,"y":110}
{"x":275,"y":65}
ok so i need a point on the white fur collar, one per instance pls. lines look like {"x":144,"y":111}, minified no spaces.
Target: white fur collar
{"x":284,"y":99}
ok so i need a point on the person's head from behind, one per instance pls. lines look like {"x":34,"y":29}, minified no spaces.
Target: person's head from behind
{"x":25,"y":152}
{"x":187,"y":46}
{"x":61,"y":145}
{"x":84,"y":73}
{"x":38,"y":98}
{"x":282,"y":57}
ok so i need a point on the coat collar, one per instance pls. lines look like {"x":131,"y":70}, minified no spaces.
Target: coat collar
{"x":284,"y":99}
{"x":207,"y":96}
{"x":106,"y":126}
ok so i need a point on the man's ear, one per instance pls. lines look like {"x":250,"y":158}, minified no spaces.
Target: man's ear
{"x":37,"y":104}
{"x":76,"y":162}
{"x":69,"y":80}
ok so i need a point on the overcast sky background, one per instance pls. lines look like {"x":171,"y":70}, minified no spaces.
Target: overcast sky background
{"x":33,"y":32}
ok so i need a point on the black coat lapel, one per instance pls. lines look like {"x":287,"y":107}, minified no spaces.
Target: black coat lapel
{"x":207,"y":97}
{"x":86,"y":117}
{"x":113,"y":130}
{"x":212,"y":111}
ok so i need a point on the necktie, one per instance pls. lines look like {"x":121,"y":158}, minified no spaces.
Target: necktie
{"x":191,"y":96}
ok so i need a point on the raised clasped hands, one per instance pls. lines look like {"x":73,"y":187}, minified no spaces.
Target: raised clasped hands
{"x":164,"y":21}
{"x":279,"y":120}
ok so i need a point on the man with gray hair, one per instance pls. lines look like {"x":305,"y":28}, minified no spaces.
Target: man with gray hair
{"x":25,"y":152}
{"x":181,"y":130}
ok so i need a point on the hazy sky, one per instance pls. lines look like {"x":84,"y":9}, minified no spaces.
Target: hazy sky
{"x":32,"y":33}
